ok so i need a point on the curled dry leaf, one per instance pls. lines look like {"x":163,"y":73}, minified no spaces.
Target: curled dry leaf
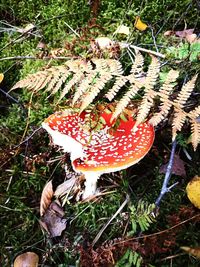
{"x":52,"y":221}
{"x":28,"y":259}
{"x":46,"y":197}
{"x":193,"y":191}
{"x":193,"y":251}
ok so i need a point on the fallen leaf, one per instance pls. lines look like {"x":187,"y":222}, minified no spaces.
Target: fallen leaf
{"x":169,"y":33}
{"x":52,"y":221}
{"x":193,"y":191}
{"x":141,"y":26}
{"x":1,"y":77}
{"x":193,"y":251}
{"x":191,"y":38}
{"x":46,"y":197}
{"x":122,"y":29}
{"x":28,"y":259}
{"x":184,"y":33}
{"x":178,"y":167}
{"x":103,"y":42}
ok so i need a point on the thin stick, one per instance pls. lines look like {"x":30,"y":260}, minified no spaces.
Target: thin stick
{"x":9,"y":96}
{"x":32,"y":57}
{"x":165,"y":187}
{"x":72,"y":29}
{"x":126,"y":45}
{"x":110,"y":220}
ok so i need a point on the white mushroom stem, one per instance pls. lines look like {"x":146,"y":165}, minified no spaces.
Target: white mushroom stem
{"x":90,"y":184}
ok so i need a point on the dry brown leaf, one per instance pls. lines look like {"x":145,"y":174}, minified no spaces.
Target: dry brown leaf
{"x":52,"y":221}
{"x":191,"y":38}
{"x":178,"y":167}
{"x":184,"y":33}
{"x":46,"y":197}
{"x":193,"y":251}
{"x":28,"y":259}
{"x":193,"y":191}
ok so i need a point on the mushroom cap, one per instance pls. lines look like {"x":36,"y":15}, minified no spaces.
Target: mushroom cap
{"x":106,"y":149}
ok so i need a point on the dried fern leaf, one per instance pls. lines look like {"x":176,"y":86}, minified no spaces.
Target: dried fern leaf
{"x":75,"y":79}
{"x":165,"y":91}
{"x":55,"y":77}
{"x":185,"y":92}
{"x":152,"y":74}
{"x":77,"y":65}
{"x":43,"y":81}
{"x":99,"y":85}
{"x":119,"y":83}
{"x":178,"y":121}
{"x":145,"y":106}
{"x":101,"y":64}
{"x":63,"y":77}
{"x":115,"y":67}
{"x":194,"y":113}
{"x":195,"y":137}
{"x":83,"y":86}
{"x":124,"y":101}
{"x":137,"y":67}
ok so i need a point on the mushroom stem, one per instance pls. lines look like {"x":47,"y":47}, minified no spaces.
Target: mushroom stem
{"x":90,"y":184}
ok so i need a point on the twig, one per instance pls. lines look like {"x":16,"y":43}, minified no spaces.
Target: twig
{"x":165,"y":187}
{"x":29,"y":137}
{"x":72,"y":29}
{"x":110,"y":220}
{"x":9,"y":96}
{"x":157,"y":233}
{"x":32,"y":57}
{"x":126,"y":45}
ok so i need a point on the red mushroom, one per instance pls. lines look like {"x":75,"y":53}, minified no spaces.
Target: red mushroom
{"x":94,"y":152}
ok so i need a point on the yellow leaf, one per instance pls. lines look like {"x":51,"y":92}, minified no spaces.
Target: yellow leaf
{"x":193,"y":251}
{"x":123,"y":30}
{"x":141,"y":26}
{"x":193,"y":191}
{"x":1,"y":77}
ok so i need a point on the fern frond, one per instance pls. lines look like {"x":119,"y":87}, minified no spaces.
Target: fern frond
{"x":77,"y":77}
{"x":185,"y":92}
{"x":130,"y":258}
{"x":115,"y":67}
{"x":119,"y":83}
{"x":145,"y":106}
{"x":178,"y":121}
{"x":54,"y":79}
{"x":165,"y":91}
{"x":195,"y":137}
{"x":195,"y":113}
{"x":124,"y":101}
{"x":64,"y":75}
{"x":137,"y":67}
{"x":141,"y":216}
{"x":152,"y":74}
{"x":99,"y":85}
{"x":83,"y":86}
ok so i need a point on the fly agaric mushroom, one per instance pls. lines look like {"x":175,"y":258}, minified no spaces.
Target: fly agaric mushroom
{"x":104,"y":150}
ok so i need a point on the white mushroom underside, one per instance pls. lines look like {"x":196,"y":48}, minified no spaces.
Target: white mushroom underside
{"x":75,"y":149}
{"x":68,"y":144}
